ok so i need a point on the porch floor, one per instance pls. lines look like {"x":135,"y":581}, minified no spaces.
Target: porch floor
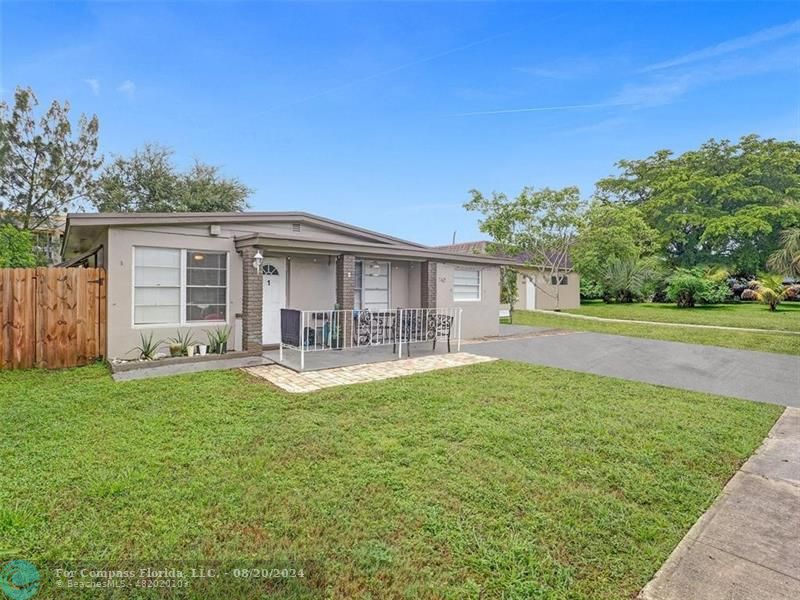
{"x":303,"y":382}
{"x":332,"y":359}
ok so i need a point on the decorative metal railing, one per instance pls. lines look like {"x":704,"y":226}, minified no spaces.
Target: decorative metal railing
{"x":321,"y":330}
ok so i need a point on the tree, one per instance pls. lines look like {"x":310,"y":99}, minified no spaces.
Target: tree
{"x":148,"y":181}
{"x":624,"y":279}
{"x":44,"y":168}
{"x":538,"y":225}
{"x":721,"y":204}
{"x":786,"y":260}
{"x":607,"y":232}
{"x":770,"y":291}
{"x":16,"y":248}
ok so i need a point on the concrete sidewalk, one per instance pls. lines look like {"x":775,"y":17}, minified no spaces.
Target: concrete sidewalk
{"x":747,"y":545}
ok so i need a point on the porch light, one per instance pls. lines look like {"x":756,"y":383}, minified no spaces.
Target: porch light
{"x":257,"y":260}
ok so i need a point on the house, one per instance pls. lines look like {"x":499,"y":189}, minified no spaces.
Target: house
{"x":540,"y":288}
{"x":200,"y":271}
{"x":47,"y":235}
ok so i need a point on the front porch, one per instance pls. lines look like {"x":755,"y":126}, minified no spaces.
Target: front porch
{"x":322,"y":339}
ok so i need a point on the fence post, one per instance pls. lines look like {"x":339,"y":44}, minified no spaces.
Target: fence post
{"x":458,"y":343}
{"x":302,"y":340}
{"x":401,"y":329}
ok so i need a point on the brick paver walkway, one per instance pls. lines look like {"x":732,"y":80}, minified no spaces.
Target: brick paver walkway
{"x":299,"y":383}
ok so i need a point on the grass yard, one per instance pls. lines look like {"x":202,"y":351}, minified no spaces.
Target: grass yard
{"x":497,"y":480}
{"x":781,"y":343}
{"x":742,"y":314}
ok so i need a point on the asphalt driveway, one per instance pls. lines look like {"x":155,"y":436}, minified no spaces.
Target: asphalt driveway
{"x":760,"y":376}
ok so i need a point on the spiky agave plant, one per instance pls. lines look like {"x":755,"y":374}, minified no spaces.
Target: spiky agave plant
{"x":149,"y":347}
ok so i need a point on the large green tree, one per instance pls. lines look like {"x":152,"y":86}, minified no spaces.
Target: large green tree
{"x":148,"y":181}
{"x":537,"y":225}
{"x":45,"y":166}
{"x":724,"y":203}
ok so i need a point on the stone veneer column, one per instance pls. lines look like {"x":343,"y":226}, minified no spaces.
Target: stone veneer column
{"x":427,"y":284}
{"x":345,"y":272}
{"x":252,"y":297}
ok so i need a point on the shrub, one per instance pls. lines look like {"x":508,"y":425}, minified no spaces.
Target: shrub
{"x":748,"y":295}
{"x":688,"y":288}
{"x":792,"y":293}
{"x":16,"y":248}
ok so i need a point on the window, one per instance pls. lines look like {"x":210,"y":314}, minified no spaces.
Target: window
{"x":467,"y":284}
{"x":157,"y":286}
{"x":206,"y":286}
{"x":371,"y":285}
{"x":173,"y":286}
{"x":559,"y":280}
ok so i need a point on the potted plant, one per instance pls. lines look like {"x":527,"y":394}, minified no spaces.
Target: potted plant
{"x":218,"y":340}
{"x":184,"y":342}
{"x":201,"y":349}
{"x":175,"y":349}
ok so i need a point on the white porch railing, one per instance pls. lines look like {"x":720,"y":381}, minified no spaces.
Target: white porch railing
{"x":322,"y":330}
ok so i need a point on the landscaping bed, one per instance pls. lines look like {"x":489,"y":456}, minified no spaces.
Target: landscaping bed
{"x":496,"y":480}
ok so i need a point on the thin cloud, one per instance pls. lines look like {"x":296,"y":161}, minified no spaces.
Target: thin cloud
{"x":665,"y":89}
{"x":127,"y":87}
{"x":94,"y":85}
{"x":572,"y":68}
{"x":734,"y":45}
{"x":604,"y":126}
{"x":403,"y":67}
{"x":509,"y":111}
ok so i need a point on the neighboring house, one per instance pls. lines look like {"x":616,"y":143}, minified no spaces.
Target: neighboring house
{"x":47,"y":236}
{"x":536,"y":287}
{"x":196,"y":271}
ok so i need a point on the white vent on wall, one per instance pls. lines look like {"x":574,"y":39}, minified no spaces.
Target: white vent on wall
{"x":296,"y":227}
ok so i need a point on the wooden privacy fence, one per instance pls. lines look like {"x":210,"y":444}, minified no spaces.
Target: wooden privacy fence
{"x":52,"y":317}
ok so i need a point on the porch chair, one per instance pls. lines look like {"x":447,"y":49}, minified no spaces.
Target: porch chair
{"x":440,"y":326}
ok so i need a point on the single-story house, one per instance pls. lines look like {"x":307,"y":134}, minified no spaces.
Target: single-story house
{"x":537,"y":287}
{"x":199,"y":271}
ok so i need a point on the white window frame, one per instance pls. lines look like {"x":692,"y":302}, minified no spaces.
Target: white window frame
{"x":480,"y":285}
{"x":182,"y":298}
{"x":388,"y":281}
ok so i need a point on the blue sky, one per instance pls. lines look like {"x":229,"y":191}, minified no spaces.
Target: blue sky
{"x":386,"y":114}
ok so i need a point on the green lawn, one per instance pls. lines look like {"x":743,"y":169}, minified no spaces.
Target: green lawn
{"x":743,"y":314}
{"x":781,"y":343}
{"x":497,"y":480}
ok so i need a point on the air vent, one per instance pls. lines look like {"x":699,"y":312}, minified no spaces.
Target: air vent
{"x":296,"y":227}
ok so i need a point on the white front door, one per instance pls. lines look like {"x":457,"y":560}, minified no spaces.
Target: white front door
{"x":274,"y":299}
{"x":530,"y":294}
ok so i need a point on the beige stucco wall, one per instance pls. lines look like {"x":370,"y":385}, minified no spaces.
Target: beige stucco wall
{"x":311,"y":285}
{"x":123,"y":335}
{"x":479,"y":318}
{"x":569,"y":295}
{"x":312,"y":282}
